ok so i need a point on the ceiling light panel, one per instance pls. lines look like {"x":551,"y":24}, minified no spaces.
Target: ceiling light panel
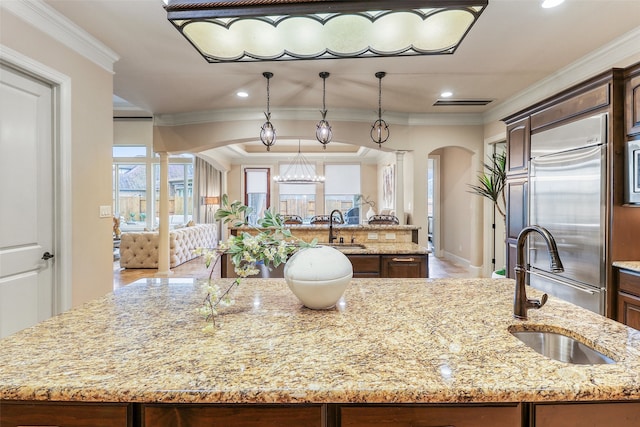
{"x":267,"y":30}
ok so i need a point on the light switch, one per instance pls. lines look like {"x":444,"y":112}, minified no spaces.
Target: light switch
{"x":372,"y":236}
{"x":105,"y":211}
{"x":390,"y":236}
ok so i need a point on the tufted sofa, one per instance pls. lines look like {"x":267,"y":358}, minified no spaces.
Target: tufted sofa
{"x":140,"y":249}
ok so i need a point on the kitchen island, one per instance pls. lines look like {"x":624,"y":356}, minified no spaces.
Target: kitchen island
{"x":403,"y":349}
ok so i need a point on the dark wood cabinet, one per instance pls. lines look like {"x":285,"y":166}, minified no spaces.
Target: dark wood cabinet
{"x":407,"y":266}
{"x":628,"y":298}
{"x":68,"y":414}
{"x":397,"y":266}
{"x":517,"y":218}
{"x":232,"y":415}
{"x":598,"y":414}
{"x":629,"y":310}
{"x":518,"y":137}
{"x":431,"y":416}
{"x":632,"y":101}
{"x":365,"y":266}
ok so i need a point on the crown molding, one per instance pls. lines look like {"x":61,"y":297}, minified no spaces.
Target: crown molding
{"x":54,"y":24}
{"x":623,"y":51}
{"x":312,"y":114}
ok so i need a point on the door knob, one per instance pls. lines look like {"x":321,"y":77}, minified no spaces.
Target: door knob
{"x":47,"y":256}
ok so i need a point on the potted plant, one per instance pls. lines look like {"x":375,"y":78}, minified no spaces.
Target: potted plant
{"x":491,"y":182}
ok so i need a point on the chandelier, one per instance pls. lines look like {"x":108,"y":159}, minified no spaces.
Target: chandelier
{"x":299,"y":172}
{"x":268,"y":132}
{"x":277,"y":30}
{"x":380,"y":129}
{"x":323,"y":128}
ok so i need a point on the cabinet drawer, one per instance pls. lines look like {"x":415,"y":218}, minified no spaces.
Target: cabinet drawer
{"x":588,"y":414}
{"x":404,"y":266}
{"x":365,"y":264}
{"x":236,"y":415}
{"x":431,"y":416}
{"x":629,"y":282}
{"x":14,"y":414}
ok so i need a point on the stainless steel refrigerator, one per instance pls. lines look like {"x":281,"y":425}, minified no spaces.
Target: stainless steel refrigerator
{"x":567,"y":196}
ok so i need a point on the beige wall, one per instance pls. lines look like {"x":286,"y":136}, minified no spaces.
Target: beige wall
{"x":91,"y":138}
{"x":456,"y":223}
{"x":133,"y":132}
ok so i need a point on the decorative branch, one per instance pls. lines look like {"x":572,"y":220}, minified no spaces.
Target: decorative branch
{"x":272,"y":244}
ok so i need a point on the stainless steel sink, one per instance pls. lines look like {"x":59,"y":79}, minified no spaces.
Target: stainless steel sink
{"x":347,"y":245}
{"x":562,"y":348}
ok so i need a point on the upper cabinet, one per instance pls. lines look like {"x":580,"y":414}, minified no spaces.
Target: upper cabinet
{"x":518,"y":134}
{"x":632,"y":101}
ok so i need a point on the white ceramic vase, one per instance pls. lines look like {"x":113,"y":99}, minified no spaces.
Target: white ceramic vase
{"x":370,"y":213}
{"x":318,"y":276}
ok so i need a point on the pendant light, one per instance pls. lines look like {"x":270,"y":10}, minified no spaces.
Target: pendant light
{"x":234,"y":30}
{"x":323,"y":128}
{"x":299,"y":171}
{"x":380,"y":129}
{"x":268,"y":132}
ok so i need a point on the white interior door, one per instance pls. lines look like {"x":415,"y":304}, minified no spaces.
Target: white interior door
{"x":26,"y":201}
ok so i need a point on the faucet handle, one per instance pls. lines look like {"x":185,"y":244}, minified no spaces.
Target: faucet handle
{"x":534,"y":303}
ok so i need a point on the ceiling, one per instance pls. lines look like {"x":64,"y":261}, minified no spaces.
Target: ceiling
{"x":514,"y":45}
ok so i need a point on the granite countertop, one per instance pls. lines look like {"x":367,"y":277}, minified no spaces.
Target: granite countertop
{"x":628,"y":265}
{"x":387,"y":341}
{"x":382,"y":249}
{"x":341,"y":227}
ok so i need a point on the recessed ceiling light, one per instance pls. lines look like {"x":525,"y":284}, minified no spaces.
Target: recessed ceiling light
{"x":446,"y":94}
{"x":242,"y":94}
{"x":547,"y":4}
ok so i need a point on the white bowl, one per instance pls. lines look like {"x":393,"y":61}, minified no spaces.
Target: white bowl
{"x":318,"y":276}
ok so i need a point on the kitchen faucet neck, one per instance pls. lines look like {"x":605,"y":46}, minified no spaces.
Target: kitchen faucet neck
{"x":332,"y":237}
{"x":521,"y":304}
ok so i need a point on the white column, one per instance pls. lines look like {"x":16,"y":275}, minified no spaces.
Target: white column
{"x":163,"y":229}
{"x":399,"y":190}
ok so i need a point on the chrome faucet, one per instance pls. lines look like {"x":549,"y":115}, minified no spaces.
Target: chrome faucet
{"x":521,"y":304}
{"x":331,"y":236}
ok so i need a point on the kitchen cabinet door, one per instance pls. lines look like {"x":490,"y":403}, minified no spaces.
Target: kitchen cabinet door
{"x":518,"y":135}
{"x":517,"y":218}
{"x":628,"y":297}
{"x":233,"y":415}
{"x":629,"y":310}
{"x":632,"y":102}
{"x":624,"y":414}
{"x":365,"y":266}
{"x":34,"y":414}
{"x":431,"y":416}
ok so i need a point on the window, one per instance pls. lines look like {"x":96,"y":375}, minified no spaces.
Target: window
{"x":341,"y":189}
{"x":130,"y":195}
{"x":135,"y":170}
{"x":257,"y":193}
{"x":180,"y":193}
{"x":297,"y":199}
